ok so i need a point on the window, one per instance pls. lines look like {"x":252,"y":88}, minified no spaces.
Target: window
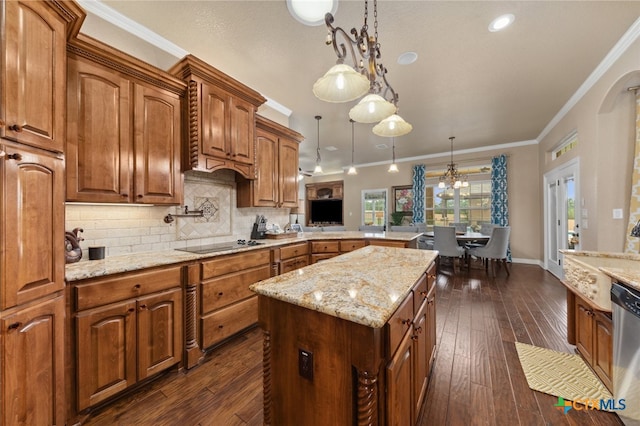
{"x":568,"y":143}
{"x":374,"y":207}
{"x":471,"y":204}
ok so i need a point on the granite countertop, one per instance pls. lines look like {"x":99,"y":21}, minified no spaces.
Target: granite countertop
{"x":136,"y":261}
{"x":627,"y":276}
{"x":364,"y":286}
{"x":623,"y":267}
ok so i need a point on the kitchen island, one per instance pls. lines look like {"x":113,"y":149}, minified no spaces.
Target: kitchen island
{"x":349,"y":340}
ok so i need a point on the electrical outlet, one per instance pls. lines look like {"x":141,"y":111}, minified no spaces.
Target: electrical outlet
{"x":305,"y":364}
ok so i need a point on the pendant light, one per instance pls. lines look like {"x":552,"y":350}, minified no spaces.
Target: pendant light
{"x":318,"y":168}
{"x":393,"y":168}
{"x":371,"y":109}
{"x":392,"y":126}
{"x":352,"y":169}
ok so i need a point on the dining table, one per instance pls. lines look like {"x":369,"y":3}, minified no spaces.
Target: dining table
{"x":466,"y":237}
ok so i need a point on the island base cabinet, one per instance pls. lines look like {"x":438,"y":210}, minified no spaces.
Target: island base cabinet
{"x":399,"y":384}
{"x":32,"y":364}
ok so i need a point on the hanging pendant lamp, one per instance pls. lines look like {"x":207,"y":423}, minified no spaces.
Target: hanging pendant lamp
{"x":392,"y":126}
{"x":371,"y":109}
{"x":352,"y":169}
{"x":318,"y":168}
{"x":393,"y":168}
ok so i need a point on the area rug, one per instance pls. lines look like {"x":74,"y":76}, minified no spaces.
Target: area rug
{"x":560,"y":374}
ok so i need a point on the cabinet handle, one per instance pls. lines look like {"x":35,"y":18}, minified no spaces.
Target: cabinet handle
{"x":140,"y":195}
{"x":16,"y":157}
{"x":124,"y":195}
{"x":414,"y":337}
{"x":221,"y":326}
{"x":418,"y":330}
{"x":430,"y":301}
{"x":14,"y":326}
{"x":16,"y":128}
{"x":143,"y":306}
{"x":423,"y":293}
{"x":137,"y":287}
{"x":406,"y":322}
{"x":130,"y":311}
{"x":220,"y":294}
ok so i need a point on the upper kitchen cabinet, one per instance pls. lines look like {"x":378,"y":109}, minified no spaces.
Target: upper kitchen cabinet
{"x":34,"y":71}
{"x":276,"y":183}
{"x":124,"y":128}
{"x":220,"y":117}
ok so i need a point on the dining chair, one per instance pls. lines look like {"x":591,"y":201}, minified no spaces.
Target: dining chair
{"x":485,"y":229}
{"x":444,"y":241}
{"x":460,"y":226}
{"x":371,"y":228}
{"x":404,"y":228}
{"x":495,"y":251}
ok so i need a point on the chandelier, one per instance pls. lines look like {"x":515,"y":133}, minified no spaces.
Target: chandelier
{"x":367,"y":75}
{"x":451,"y":178}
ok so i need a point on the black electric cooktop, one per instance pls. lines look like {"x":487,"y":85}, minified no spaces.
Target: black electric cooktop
{"x":212,"y":248}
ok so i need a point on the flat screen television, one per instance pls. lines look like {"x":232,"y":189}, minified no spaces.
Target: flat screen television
{"x":328,"y":212}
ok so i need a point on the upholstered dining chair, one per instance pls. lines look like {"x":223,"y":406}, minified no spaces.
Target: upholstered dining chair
{"x":485,"y":229}
{"x":495,"y":251}
{"x":460,"y":226}
{"x":444,"y":241}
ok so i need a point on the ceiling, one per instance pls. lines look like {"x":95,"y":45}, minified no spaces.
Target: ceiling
{"x":485,"y":88}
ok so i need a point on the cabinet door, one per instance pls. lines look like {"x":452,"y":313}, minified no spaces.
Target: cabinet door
{"x":34,"y":80}
{"x":265,"y":187}
{"x":421,"y":356}
{"x":431,"y":327}
{"x":106,"y":352}
{"x":157,"y":144}
{"x":584,"y":331}
{"x":603,"y":348}
{"x":159,"y":332}
{"x":288,"y":173}
{"x":99,"y":134}
{"x":33,"y":365}
{"x":32,"y":207}
{"x":214,"y":122}
{"x":241,"y":131}
{"x":399,"y":380}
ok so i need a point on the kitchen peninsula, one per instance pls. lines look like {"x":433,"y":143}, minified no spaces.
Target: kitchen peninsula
{"x":349,"y":340}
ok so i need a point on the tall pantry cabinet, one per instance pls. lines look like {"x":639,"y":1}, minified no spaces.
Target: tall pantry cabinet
{"x":32,"y":139}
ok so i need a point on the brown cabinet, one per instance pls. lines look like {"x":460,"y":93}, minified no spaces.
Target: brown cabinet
{"x":322,"y":190}
{"x":127,"y":328}
{"x":594,"y":339}
{"x":324,"y":249}
{"x":33,"y":74}
{"x":293,"y":256}
{"x":411,"y":333}
{"x":124,"y":131}
{"x":228,"y":305}
{"x":32,"y":209}
{"x":220,"y":117}
{"x":276,"y":183}
{"x":32,"y":366}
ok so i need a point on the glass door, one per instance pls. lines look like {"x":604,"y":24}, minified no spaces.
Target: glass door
{"x":374,"y":207}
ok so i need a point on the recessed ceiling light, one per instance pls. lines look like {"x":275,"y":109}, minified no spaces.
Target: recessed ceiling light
{"x":501,"y":22}
{"x":311,"y":12}
{"x":382,"y":146}
{"x":331,"y":148}
{"x":407,"y":58}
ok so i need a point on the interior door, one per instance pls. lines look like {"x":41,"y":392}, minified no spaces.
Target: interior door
{"x":561,"y":221}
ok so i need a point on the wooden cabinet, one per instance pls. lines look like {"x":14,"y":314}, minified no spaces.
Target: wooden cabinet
{"x":351,"y":245}
{"x":228,"y":305}
{"x":594,"y":339}
{"x":276,"y":183}
{"x":220,"y":117}
{"x":32,"y":206}
{"x":32,"y":367}
{"x":322,"y":190}
{"x":411,"y":340}
{"x":127,"y":328}
{"x":324,"y":249}
{"x":389,"y":243}
{"x":293,"y":256}
{"x":124,"y":130}
{"x":33,"y":74}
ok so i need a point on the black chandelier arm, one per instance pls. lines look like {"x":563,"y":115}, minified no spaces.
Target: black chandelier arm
{"x":340,"y":49}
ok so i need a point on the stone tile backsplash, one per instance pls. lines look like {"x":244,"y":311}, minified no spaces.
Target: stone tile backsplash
{"x":126,"y":229}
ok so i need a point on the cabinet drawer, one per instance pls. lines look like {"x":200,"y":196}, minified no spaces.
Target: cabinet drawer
{"x":350,"y":245}
{"x":234,"y":263}
{"x":399,"y":323}
{"x":294,"y":250}
{"x":325,"y":246}
{"x":293,"y":264}
{"x":100,"y":292}
{"x":420,"y":292}
{"x":228,"y":289}
{"x":226,"y":322}
{"x":315,"y":258}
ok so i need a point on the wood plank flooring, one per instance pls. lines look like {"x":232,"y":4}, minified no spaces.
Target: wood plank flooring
{"x":476,"y":379}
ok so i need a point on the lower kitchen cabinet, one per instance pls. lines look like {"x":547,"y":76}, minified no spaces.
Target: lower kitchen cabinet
{"x":293,"y":256}
{"x":594,"y":339}
{"x":136,"y":336}
{"x":32,"y":365}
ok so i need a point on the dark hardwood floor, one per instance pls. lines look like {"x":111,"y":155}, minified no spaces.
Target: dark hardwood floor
{"x":476,"y":379}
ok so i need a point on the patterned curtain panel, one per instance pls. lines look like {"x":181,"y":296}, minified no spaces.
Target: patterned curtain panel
{"x":418,"y":193}
{"x":499,"y":197}
{"x":633,"y":243}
